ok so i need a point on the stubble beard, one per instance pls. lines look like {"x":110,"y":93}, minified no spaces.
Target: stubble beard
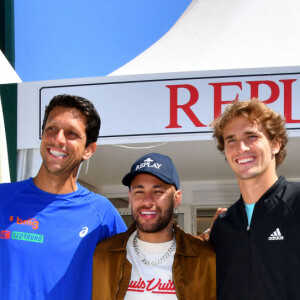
{"x":163,"y":221}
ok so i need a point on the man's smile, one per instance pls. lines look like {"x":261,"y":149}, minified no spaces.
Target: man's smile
{"x":57,"y":153}
{"x":245,"y":160}
{"x":149,"y":214}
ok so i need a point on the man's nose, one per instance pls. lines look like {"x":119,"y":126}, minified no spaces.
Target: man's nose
{"x":60,"y":137}
{"x":243,"y":146}
{"x":149,"y":200}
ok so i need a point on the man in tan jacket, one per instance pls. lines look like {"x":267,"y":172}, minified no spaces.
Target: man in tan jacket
{"x":154,"y":259}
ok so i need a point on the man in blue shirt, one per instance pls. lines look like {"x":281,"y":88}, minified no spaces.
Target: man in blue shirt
{"x":50,"y":224}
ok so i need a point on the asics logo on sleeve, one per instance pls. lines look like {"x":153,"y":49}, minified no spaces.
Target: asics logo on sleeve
{"x":83,"y":232}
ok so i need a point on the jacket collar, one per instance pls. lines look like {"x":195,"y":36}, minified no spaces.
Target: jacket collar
{"x":274,"y":190}
{"x":184,"y":247}
{"x":271,"y":198}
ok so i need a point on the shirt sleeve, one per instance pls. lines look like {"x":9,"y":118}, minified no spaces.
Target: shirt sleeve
{"x":112,"y":223}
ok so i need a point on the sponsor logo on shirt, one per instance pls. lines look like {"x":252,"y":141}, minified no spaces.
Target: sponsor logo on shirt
{"x":276,"y":236}
{"x":34,"y":223}
{"x":5,"y":234}
{"x":83,"y":231}
{"x":29,"y":237}
{"x":155,"y":286}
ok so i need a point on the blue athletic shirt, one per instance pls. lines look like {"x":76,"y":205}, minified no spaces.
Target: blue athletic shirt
{"x":47,"y":241}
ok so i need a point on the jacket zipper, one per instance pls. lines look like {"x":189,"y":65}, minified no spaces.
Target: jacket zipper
{"x":250,"y":262}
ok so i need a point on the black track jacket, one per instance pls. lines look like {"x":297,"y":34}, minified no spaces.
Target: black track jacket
{"x":260,"y":262}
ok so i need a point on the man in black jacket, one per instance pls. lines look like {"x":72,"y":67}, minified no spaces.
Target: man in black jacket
{"x":257,"y":240}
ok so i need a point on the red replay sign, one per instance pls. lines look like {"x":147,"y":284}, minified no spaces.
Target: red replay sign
{"x":275,"y":90}
{"x":162,"y":107}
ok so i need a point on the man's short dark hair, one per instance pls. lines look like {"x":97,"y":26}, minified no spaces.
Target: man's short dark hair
{"x":86,"y":107}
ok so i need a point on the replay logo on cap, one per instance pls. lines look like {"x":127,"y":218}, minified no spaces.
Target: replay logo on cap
{"x":156,"y":164}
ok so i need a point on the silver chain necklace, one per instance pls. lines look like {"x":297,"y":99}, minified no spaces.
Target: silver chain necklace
{"x":156,"y":262}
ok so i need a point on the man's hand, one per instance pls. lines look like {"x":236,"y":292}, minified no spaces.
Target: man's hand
{"x":220,"y":210}
{"x":206,"y":233}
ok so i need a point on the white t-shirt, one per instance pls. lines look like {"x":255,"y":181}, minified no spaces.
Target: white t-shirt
{"x":150,"y":282}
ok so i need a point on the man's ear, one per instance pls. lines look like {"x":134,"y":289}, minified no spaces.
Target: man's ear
{"x":276,"y":144}
{"x":177,"y":198}
{"x":89,"y":150}
{"x":130,"y":200}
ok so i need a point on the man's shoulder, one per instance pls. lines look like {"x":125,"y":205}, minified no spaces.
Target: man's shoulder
{"x":291,"y":195}
{"x":228,"y":217}
{"x":231,"y":211}
{"x":92,"y":197}
{"x":194,"y":243}
{"x":14,"y":187}
{"x":197,"y":241}
{"x":293,"y":186}
{"x":116,"y":242}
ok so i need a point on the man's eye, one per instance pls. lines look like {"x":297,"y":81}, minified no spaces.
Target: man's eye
{"x":138,"y":192}
{"x":252,"y":136}
{"x":50,"y":129}
{"x":231,"y":141}
{"x":159,"y":192}
{"x":71,"y":135}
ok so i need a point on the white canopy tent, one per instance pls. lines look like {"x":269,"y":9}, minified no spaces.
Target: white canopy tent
{"x":7,"y":75}
{"x":228,"y":34}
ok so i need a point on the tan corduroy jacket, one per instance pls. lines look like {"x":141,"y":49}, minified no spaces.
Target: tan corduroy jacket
{"x":194,"y":269}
